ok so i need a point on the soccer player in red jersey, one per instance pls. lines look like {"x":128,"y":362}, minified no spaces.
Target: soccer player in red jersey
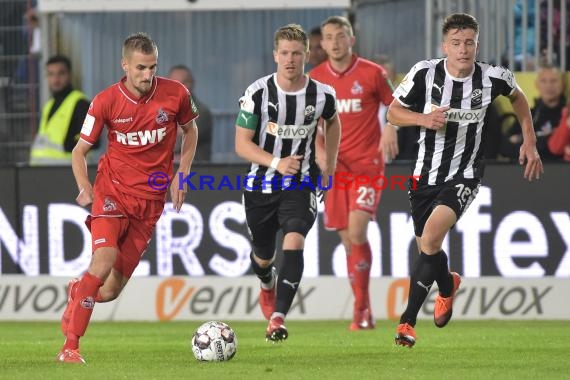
{"x":361,"y":86}
{"x":142,"y":113}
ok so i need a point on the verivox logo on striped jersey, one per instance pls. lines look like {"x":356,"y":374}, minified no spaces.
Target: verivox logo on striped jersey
{"x":460,"y":115}
{"x":291,"y":131}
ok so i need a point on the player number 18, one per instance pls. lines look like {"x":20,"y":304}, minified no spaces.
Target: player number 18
{"x":463,"y":193}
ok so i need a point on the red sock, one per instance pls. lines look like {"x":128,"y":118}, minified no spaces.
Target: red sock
{"x":350,"y":269}
{"x":84,"y":302}
{"x":74,"y":289}
{"x":360,"y":260}
{"x":71,"y":342}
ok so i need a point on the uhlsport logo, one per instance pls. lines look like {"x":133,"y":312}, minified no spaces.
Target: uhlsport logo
{"x":123,"y":120}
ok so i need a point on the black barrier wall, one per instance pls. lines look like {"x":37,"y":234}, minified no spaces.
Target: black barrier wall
{"x":513,"y":229}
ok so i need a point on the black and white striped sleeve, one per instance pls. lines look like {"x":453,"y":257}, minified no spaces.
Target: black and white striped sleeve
{"x":413,"y":87}
{"x":329,"y":110}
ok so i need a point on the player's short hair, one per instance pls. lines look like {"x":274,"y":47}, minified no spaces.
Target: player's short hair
{"x":59,"y":59}
{"x":315,"y":32}
{"x":180,"y":66}
{"x":459,"y":21}
{"x":189,"y":82}
{"x":549,"y":66}
{"x":339,"y":21}
{"x":291,"y":32}
{"x":140,"y":42}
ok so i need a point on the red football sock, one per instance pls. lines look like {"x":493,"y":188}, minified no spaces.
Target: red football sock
{"x":74,"y":289}
{"x":350,"y":268}
{"x":71,"y":342}
{"x":360,"y":260}
{"x":83,"y":308}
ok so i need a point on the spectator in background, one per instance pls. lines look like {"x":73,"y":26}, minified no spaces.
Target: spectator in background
{"x":62,"y":116}
{"x":183,"y":74}
{"x":12,"y":43}
{"x":27,"y":70}
{"x":317,"y":54}
{"x":555,"y":31}
{"x":545,"y":114}
{"x":35,"y":39}
{"x":559,"y":141}
{"x":524,"y":50}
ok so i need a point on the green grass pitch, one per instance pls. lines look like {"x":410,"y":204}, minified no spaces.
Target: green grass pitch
{"x":315,"y":350}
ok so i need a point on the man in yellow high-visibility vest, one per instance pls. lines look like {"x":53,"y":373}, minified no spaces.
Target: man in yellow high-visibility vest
{"x":62,"y":116}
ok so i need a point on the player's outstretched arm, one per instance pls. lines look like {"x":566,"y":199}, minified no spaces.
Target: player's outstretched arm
{"x":528,"y":153}
{"x":187,"y":151}
{"x":79,"y":167}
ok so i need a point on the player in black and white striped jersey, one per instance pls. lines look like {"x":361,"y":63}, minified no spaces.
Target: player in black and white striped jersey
{"x":275,"y":130}
{"x":284,"y":124}
{"x":455,"y":151}
{"x":447,"y":99}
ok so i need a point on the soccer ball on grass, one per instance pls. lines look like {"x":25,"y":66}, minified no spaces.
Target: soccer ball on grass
{"x":214,"y":341}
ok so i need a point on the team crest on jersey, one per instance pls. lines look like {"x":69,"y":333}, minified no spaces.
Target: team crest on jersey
{"x":161,"y":117}
{"x":476,"y":98}
{"x":356,"y":88}
{"x":109,"y":205}
{"x":309,"y":114}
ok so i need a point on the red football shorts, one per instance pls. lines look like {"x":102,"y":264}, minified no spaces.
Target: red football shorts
{"x":356,"y":186}
{"x":122,"y":221}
